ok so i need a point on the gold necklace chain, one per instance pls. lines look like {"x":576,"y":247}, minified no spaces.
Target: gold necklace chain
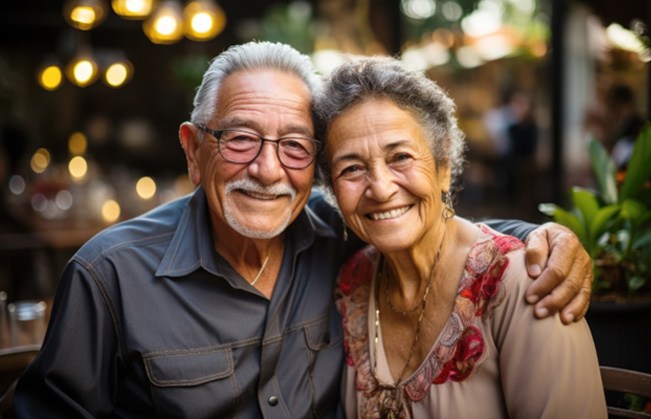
{"x":421,"y":314}
{"x":264,"y":265}
{"x":395,"y":408}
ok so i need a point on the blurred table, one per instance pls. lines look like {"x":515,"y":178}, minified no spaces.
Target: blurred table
{"x":15,"y":337}
{"x":34,"y":251}
{"x":18,"y":348}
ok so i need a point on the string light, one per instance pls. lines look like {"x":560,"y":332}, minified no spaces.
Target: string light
{"x":50,"y":75}
{"x":203,"y":20}
{"x":165,"y":24}
{"x":110,"y":211}
{"x":77,"y":143}
{"x":118,"y":73}
{"x":82,"y":70}
{"x":133,"y":9}
{"x":84,"y":14}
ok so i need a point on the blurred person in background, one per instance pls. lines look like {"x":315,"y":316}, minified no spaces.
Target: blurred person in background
{"x":513,"y":132}
{"x":625,"y":121}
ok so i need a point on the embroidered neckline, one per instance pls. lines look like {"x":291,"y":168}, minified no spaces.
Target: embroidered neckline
{"x":479,"y":292}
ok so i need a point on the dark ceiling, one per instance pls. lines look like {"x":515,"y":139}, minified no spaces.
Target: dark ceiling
{"x":622,"y":11}
{"x":39,"y":25}
{"x":160,"y":91}
{"x":39,"y":22}
{"x":30,"y":30}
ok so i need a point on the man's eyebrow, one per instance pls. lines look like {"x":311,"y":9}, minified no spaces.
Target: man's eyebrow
{"x":232,"y":122}
{"x":299,"y":129}
{"x":253,"y":125}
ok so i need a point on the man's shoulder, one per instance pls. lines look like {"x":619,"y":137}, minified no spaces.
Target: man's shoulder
{"x":156,"y":225}
{"x":320,"y":206}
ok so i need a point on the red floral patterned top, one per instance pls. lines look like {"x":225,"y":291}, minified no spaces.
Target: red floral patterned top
{"x":460,"y":346}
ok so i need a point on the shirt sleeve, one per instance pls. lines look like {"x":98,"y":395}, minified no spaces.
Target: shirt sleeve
{"x":547,"y":370}
{"x":73,"y":375}
{"x":517,"y":228}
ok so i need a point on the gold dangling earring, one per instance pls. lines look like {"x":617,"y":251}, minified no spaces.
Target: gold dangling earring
{"x":448,"y":211}
{"x":345,"y":234}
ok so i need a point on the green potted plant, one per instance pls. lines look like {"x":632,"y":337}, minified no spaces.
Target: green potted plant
{"x":613,"y":222}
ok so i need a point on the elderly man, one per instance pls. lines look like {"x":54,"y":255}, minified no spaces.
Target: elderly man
{"x":220,"y":304}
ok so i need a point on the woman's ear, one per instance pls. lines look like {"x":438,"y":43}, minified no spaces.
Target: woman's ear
{"x":190,"y":144}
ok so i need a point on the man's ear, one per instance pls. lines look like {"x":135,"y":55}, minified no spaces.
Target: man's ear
{"x":189,"y":142}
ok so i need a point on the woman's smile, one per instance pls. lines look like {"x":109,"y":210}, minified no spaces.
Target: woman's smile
{"x":387,"y":215}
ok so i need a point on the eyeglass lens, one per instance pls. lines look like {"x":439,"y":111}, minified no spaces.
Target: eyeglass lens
{"x":244,"y":147}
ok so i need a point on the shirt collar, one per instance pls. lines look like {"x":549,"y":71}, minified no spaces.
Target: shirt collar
{"x":191,"y":246}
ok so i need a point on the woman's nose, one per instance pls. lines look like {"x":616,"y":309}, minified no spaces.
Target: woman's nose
{"x":381,"y":184}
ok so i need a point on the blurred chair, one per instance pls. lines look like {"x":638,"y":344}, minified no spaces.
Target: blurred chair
{"x":12,"y":364}
{"x":626,"y":382}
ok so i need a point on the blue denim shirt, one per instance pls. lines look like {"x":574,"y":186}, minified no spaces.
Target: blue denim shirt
{"x":149,"y":321}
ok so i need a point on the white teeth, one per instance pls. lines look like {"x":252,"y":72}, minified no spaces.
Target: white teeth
{"x":260,"y":196}
{"x":389,"y":214}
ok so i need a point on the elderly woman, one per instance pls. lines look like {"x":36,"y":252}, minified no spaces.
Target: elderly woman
{"x":435,"y":318}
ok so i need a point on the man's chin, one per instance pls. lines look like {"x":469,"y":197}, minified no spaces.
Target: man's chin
{"x":259,"y":231}
{"x":260,"y":234}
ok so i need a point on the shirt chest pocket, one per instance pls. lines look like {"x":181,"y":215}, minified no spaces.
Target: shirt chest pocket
{"x":192,"y":383}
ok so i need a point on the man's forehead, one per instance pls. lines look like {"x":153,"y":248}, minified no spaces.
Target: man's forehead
{"x":250,"y":77}
{"x":251,"y":95}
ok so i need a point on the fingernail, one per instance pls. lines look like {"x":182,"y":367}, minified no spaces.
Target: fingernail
{"x":569,"y":318}
{"x":542,"y":312}
{"x":532,"y":299}
{"x":535,"y":270}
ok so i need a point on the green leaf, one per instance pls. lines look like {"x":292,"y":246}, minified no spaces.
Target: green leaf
{"x":632,"y":209}
{"x":639,"y":168}
{"x":548,"y":208}
{"x":604,"y":170}
{"x":642,"y":240}
{"x":623,"y":239}
{"x":635,"y":282}
{"x":586,"y":202}
{"x":565,"y":218}
{"x":600,"y":220}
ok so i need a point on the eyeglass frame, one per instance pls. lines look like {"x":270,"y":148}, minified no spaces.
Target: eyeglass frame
{"x":217,"y":134}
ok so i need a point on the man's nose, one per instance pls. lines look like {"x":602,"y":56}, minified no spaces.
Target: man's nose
{"x":267,"y":167}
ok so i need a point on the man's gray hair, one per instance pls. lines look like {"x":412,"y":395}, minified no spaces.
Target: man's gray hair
{"x":361,"y":78}
{"x":251,"y":56}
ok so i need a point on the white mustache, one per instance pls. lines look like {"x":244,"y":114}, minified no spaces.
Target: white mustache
{"x":250,"y":186}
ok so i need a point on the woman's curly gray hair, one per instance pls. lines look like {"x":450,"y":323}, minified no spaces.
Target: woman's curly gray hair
{"x":361,"y":78}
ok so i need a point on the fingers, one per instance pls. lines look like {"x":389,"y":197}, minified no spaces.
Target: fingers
{"x":552,"y":249}
{"x":536,"y":252}
{"x":572,"y":302}
{"x":556,"y":296}
{"x":565,"y":283}
{"x":577,"y":308}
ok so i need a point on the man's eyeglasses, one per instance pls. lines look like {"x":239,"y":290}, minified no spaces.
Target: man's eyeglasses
{"x":239,"y":146}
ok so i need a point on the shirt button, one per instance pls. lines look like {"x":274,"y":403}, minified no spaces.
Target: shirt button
{"x":273,"y":400}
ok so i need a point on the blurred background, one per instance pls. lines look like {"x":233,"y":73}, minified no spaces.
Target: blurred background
{"x":92,"y":93}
